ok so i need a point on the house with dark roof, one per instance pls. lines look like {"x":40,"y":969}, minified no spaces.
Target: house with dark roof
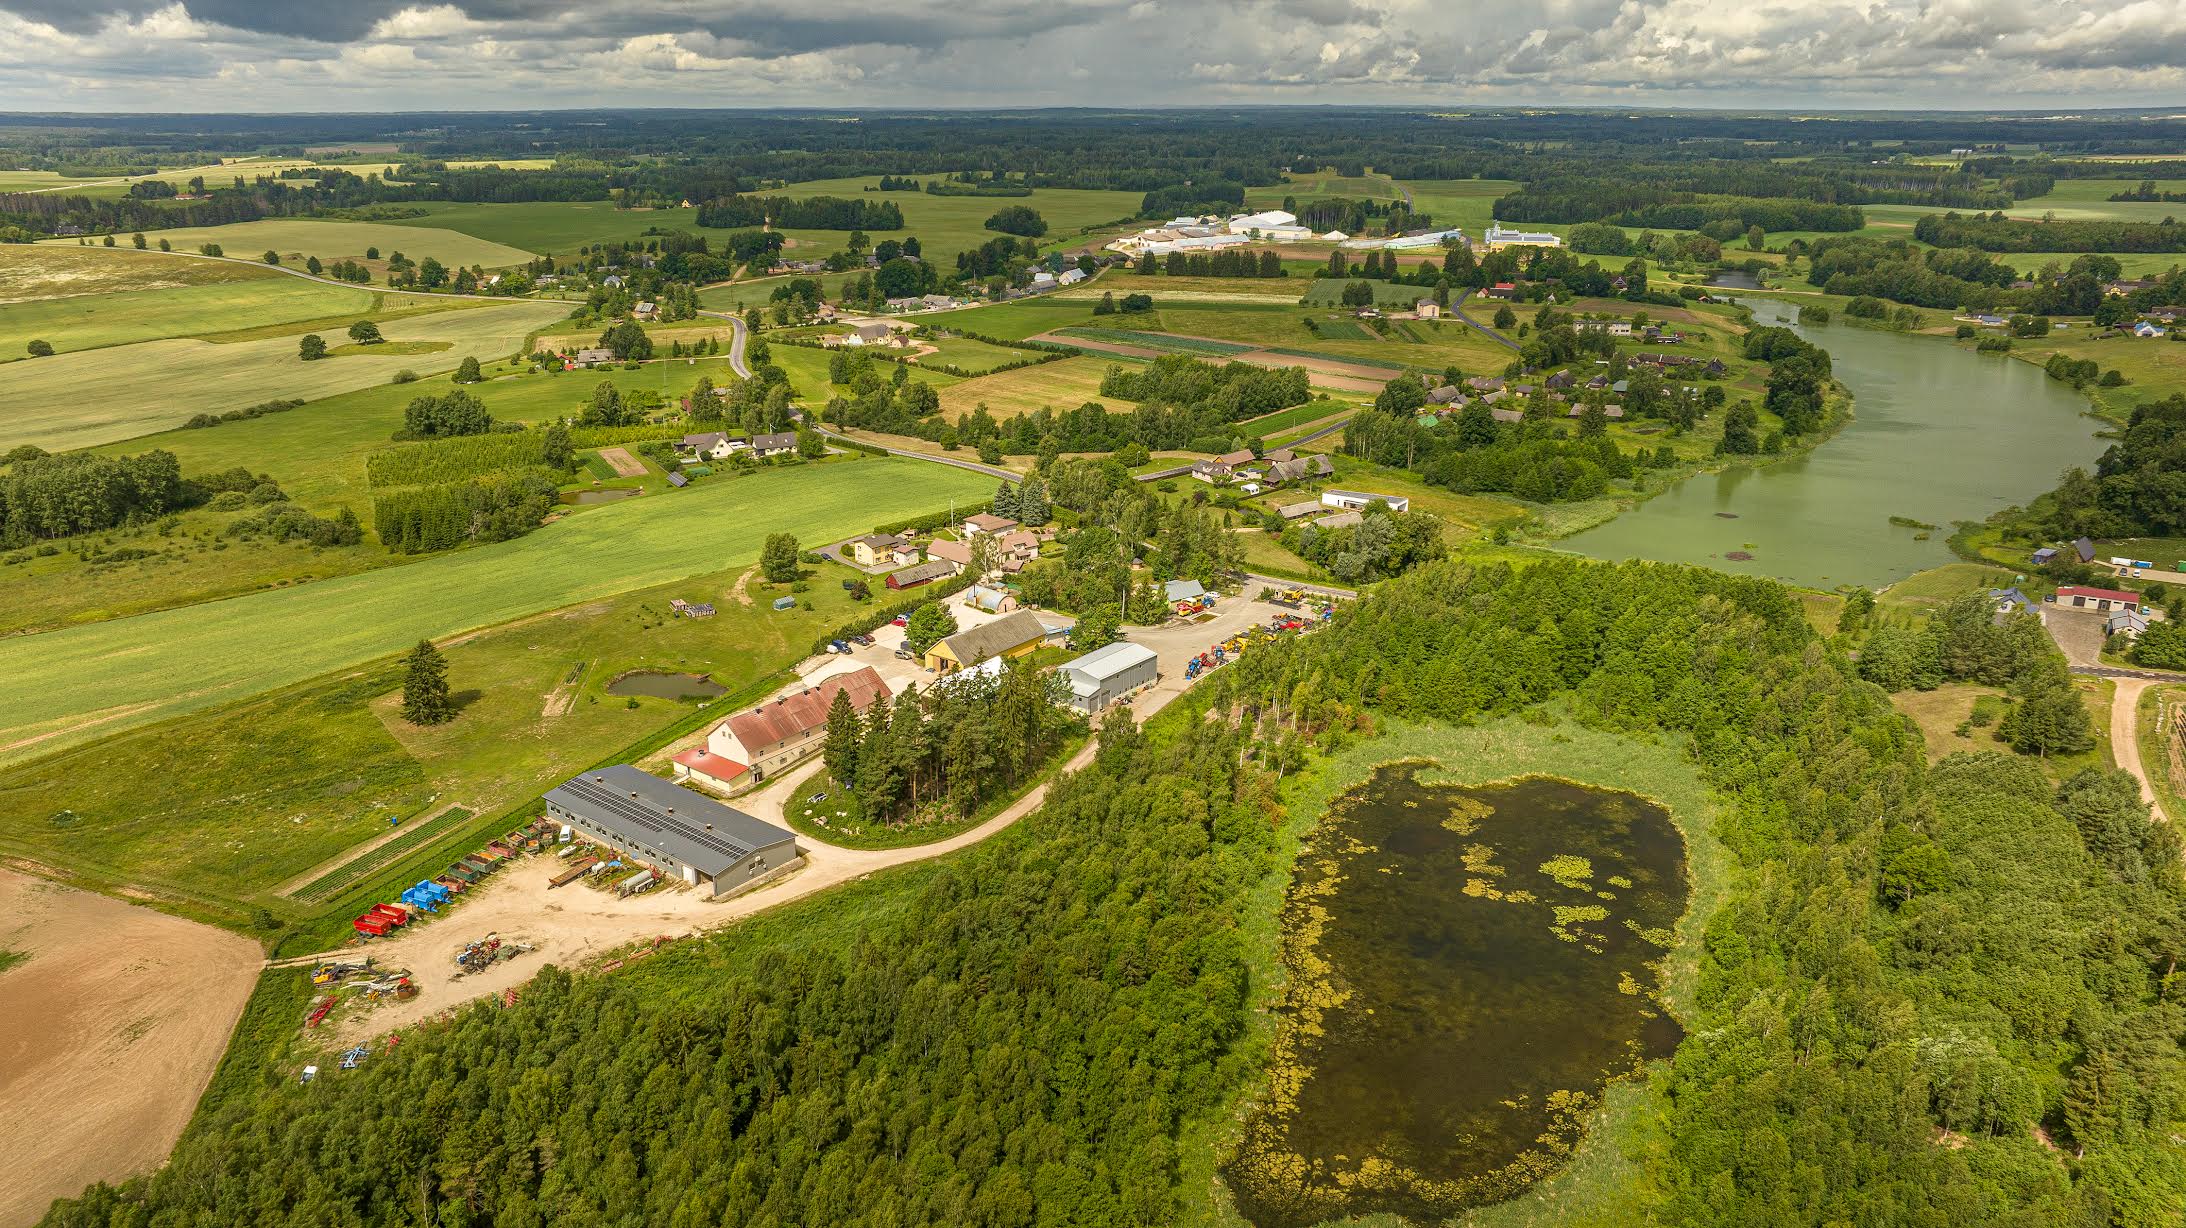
{"x":2085,"y":548}
{"x":780,"y":444}
{"x":924,"y":573}
{"x":682,"y":834}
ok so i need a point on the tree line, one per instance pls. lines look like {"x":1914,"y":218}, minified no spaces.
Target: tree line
{"x":968,"y":738}
{"x":808,"y":213}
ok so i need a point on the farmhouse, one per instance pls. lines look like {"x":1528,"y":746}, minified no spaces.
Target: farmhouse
{"x":773,"y":736}
{"x":2085,"y":548}
{"x":1013,"y":635}
{"x":987,"y":522}
{"x":779,"y":444}
{"x":587,"y":357}
{"x":713,"y":445}
{"x":2045,"y":556}
{"x":1356,"y":500}
{"x":1313,"y":465}
{"x":957,"y":554}
{"x":683,"y":834}
{"x":1107,"y":676}
{"x":1292,"y":511}
{"x":924,"y":573}
{"x":1498,"y":238}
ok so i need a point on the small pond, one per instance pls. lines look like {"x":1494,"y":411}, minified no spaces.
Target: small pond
{"x":598,"y":496}
{"x":661,"y":685}
{"x":1470,"y":967}
{"x":1734,"y":279}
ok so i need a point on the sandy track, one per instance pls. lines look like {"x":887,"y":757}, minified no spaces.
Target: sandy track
{"x":114,"y":1025}
{"x":2125,"y":737}
{"x":624,"y":464}
{"x":575,"y":924}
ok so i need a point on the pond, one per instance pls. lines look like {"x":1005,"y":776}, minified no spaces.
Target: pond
{"x":589,"y":497}
{"x":661,"y":685}
{"x":1734,"y":279}
{"x":1470,"y":966}
{"x":1939,"y":434}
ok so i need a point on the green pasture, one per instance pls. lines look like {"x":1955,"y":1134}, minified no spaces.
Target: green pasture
{"x":235,"y":803}
{"x":946,"y":225}
{"x":1121,"y":281}
{"x":85,"y":322}
{"x":549,"y":227}
{"x":1019,"y":319}
{"x":297,"y":238}
{"x":153,"y":386}
{"x":93,"y":681}
{"x":1009,"y":394}
{"x":807,"y":368}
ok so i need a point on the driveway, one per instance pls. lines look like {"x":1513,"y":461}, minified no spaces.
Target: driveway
{"x":2078,"y":632}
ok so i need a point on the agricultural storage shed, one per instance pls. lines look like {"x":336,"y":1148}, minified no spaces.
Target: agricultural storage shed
{"x":695,"y":838}
{"x":1108,"y":675}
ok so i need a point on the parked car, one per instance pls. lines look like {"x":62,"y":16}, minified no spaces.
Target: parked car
{"x":838,"y":646}
{"x":904,"y":654}
{"x":900,"y":620}
{"x":863,"y":641}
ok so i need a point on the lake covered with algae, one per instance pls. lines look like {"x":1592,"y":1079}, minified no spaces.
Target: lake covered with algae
{"x":1469,"y":967}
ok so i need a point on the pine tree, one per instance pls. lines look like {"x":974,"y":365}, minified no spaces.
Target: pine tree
{"x":425,"y":698}
{"x":840,"y":751}
{"x":1032,"y":503}
{"x":1005,"y":500}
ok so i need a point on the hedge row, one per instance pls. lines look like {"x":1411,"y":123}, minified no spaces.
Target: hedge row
{"x":931,"y":520}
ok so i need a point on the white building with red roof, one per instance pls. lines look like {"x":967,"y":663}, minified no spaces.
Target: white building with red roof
{"x":753,"y":745}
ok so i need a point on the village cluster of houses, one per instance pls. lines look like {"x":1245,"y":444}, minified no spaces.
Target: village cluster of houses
{"x":945,"y":558}
{"x":1253,"y":474}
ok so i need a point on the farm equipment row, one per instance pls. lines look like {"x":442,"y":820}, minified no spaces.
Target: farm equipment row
{"x":1222,"y":653}
{"x":431,"y":894}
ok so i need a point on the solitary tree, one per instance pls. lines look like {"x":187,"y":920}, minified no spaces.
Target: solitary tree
{"x":137,"y":241}
{"x":1505,"y":317}
{"x":41,"y":349}
{"x":365,"y":332}
{"x":778,"y":558}
{"x":928,"y":625}
{"x":311,"y":265}
{"x":555,"y":450}
{"x":272,"y":257}
{"x":313,"y":346}
{"x":425,"y":699}
{"x":467,"y":372}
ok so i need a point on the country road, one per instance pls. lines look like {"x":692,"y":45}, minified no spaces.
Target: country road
{"x":1457,"y":308}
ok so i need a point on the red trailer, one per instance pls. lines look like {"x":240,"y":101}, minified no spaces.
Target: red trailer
{"x":393,"y":912}
{"x":454,"y":885}
{"x":372,"y":925}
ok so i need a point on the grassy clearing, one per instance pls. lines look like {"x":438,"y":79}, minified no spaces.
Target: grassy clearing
{"x":1009,"y":394}
{"x":2153,"y":367}
{"x":1926,"y":589}
{"x":195,"y":809}
{"x":1283,"y":421}
{"x":156,"y":385}
{"x":807,"y":370}
{"x":550,"y":227}
{"x":1601,"y":1183}
{"x":1943,"y":712}
{"x":1018,"y":320}
{"x":92,"y":681}
{"x":331,"y":240}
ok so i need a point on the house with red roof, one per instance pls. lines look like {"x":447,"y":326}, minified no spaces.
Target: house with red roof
{"x":756,"y":744}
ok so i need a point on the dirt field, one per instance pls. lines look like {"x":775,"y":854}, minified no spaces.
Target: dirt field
{"x":114,"y":1025}
{"x":1325,"y":372}
{"x":620,"y":460}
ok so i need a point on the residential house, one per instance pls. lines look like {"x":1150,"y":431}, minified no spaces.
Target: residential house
{"x":1108,"y":676}
{"x":780,"y":444}
{"x":1427,"y":309}
{"x":923,"y":573}
{"x":1237,"y":459}
{"x":1443,"y":395}
{"x":1015,"y":634}
{"x":987,"y":522}
{"x":1500,"y":290}
{"x":2045,"y":556}
{"x":1312,"y":465}
{"x":645,"y":310}
{"x":1021,"y":544}
{"x":2084,"y":548}
{"x":586,"y":357}
{"x":958,"y":555}
{"x":713,"y":445}
{"x":2123,"y":287}
{"x":875,"y":549}
{"x":1070,"y":277}
{"x":1485,"y":383}
{"x":870,"y":334}
{"x":2010,"y":601}
{"x":1507,"y":415}
{"x":1354,"y":500}
{"x":777,"y":734}
{"x":1212,"y":471}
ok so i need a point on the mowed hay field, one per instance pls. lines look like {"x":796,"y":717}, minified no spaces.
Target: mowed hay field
{"x":946,"y":225}
{"x":1008,"y":394}
{"x":84,"y":682}
{"x":84,"y":298}
{"x":297,"y":238}
{"x":549,"y":227}
{"x":99,"y":396}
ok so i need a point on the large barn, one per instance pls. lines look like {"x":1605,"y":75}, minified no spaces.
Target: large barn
{"x":683,"y":834}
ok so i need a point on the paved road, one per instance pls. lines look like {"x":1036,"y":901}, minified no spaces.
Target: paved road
{"x":1457,"y":308}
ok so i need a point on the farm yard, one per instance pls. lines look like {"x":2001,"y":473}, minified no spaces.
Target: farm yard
{"x":153,"y":386}
{"x":92,"y":681}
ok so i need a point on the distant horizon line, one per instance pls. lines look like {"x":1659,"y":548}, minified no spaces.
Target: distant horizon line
{"x":2174,"y":111}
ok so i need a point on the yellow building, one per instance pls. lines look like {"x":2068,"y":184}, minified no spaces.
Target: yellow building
{"x":1015,"y":634}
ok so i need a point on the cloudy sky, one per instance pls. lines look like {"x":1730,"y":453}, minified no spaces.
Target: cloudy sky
{"x":329,"y":55}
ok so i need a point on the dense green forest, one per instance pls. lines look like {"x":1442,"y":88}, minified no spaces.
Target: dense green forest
{"x":1932,"y":996}
{"x":2138,"y":488}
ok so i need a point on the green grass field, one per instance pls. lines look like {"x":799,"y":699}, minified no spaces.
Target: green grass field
{"x":550,"y":227}
{"x":1015,"y":321}
{"x":1064,"y":385}
{"x":155,"y":385}
{"x":946,"y":225}
{"x":807,"y":368}
{"x":331,"y":240}
{"x":93,"y":321}
{"x":92,"y":681}
{"x":195,"y":808}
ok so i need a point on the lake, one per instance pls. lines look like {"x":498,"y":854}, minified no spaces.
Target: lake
{"x":1939,"y":434}
{"x":1469,"y":967}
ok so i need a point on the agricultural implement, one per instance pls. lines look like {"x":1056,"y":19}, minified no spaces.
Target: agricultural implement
{"x":351,"y":1058}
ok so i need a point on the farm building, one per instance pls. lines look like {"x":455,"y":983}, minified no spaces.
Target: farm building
{"x":2097,"y":598}
{"x":992,"y":600}
{"x":713,"y":445}
{"x":773,"y":736}
{"x":2128,"y":623}
{"x":1497,"y":238}
{"x":957,"y":554}
{"x":1183,"y":590}
{"x":683,"y":834}
{"x":1339,"y":520}
{"x":924,"y":573}
{"x":1358,"y":500}
{"x":1108,"y":675}
{"x":1013,"y":635}
{"x":1292,"y":511}
{"x":1313,"y":465}
{"x":2045,"y":556}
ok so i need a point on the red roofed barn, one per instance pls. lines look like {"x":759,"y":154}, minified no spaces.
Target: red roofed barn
{"x":769,"y":738}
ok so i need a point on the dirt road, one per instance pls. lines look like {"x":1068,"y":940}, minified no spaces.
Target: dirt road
{"x":113,"y":1026}
{"x":2125,"y":736}
{"x":574,"y":924}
